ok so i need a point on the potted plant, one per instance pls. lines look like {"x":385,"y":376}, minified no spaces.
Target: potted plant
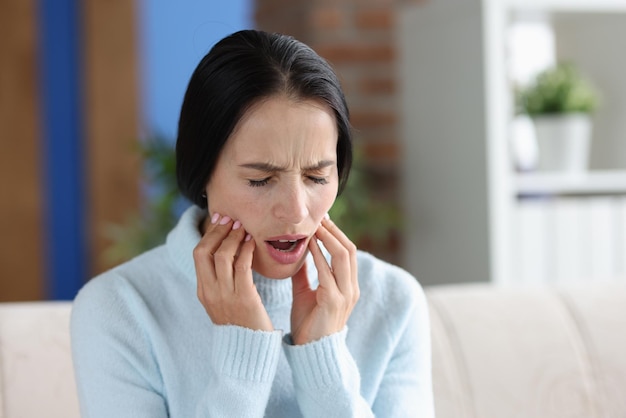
{"x":560,"y":102}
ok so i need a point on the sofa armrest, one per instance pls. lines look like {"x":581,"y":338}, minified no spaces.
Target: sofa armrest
{"x":36,"y":374}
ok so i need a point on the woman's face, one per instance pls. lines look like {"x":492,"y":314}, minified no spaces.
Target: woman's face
{"x":277,"y":174}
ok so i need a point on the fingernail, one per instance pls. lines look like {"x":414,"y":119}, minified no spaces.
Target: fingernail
{"x":236,"y":225}
{"x":214,"y":218}
{"x":327,"y":216}
{"x":248,"y":237}
{"x":225,"y":220}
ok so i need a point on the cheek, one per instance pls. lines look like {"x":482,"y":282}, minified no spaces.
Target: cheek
{"x":245,"y":208}
{"x":323,"y":201}
{"x":250,"y":213}
{"x":229,"y":201}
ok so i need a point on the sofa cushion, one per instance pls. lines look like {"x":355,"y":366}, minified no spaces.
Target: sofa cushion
{"x":529,"y":352}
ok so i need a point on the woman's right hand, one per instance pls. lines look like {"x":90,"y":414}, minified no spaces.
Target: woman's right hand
{"x":223,"y":260}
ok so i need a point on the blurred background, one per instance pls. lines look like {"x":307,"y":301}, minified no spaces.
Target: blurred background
{"x":448,"y":184}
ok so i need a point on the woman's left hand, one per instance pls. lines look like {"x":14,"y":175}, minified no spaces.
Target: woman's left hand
{"x":325,"y":310}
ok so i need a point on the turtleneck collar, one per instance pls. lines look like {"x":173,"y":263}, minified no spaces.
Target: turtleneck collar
{"x":185,"y":237}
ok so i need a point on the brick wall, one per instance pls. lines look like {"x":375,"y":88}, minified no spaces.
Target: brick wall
{"x":357,"y":38}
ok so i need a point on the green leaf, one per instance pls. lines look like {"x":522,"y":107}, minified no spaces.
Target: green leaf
{"x":560,"y":89}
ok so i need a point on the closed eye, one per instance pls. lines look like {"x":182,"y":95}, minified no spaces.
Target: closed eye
{"x":258,"y":183}
{"x":318,"y":180}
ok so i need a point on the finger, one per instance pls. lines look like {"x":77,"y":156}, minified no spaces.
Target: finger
{"x":337,"y":232}
{"x":324,"y":271}
{"x":300,"y":281}
{"x":205,"y":274}
{"x":203,"y":254}
{"x":347,"y":243}
{"x":224,"y":257}
{"x":342,"y":261}
{"x":243,"y":265}
{"x":215,"y":233}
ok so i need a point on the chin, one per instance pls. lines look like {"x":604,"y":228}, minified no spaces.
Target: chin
{"x":277,"y":271}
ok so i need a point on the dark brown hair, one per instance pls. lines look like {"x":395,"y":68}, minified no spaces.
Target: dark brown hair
{"x":240,"y":70}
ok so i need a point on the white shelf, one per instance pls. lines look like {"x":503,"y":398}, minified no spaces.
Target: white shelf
{"x":595,"y":6}
{"x":591,"y":183}
{"x":456,"y":104}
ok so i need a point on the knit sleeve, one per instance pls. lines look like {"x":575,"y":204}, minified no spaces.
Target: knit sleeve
{"x":244,"y":364}
{"x":406,"y":386}
{"x":326,"y":378}
{"x":117,"y":374}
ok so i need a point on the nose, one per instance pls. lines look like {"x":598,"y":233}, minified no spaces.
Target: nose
{"x":290,"y":204}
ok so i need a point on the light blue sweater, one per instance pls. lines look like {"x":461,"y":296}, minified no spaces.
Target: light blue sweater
{"x":144,"y":346}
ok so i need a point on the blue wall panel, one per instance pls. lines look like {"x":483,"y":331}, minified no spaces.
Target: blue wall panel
{"x":174,"y":37}
{"x":61,"y":96}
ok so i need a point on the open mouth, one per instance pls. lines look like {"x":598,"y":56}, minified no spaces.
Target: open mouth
{"x":285,"y":245}
{"x":287,"y":249}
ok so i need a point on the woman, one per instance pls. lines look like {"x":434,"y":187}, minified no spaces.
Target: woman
{"x":257,"y":304}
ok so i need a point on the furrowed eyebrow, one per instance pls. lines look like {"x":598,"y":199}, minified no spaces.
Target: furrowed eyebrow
{"x":267,"y":167}
{"x":320,"y":165}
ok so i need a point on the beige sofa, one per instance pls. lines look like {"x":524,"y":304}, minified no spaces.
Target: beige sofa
{"x":497,"y":353}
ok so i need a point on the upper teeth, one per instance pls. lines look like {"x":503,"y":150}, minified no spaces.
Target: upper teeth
{"x":288,"y":240}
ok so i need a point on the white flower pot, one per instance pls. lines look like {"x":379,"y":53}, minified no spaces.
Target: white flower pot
{"x":523,"y":143}
{"x":563,"y":142}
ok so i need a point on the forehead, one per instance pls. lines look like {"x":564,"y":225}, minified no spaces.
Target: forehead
{"x":280,"y":128}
